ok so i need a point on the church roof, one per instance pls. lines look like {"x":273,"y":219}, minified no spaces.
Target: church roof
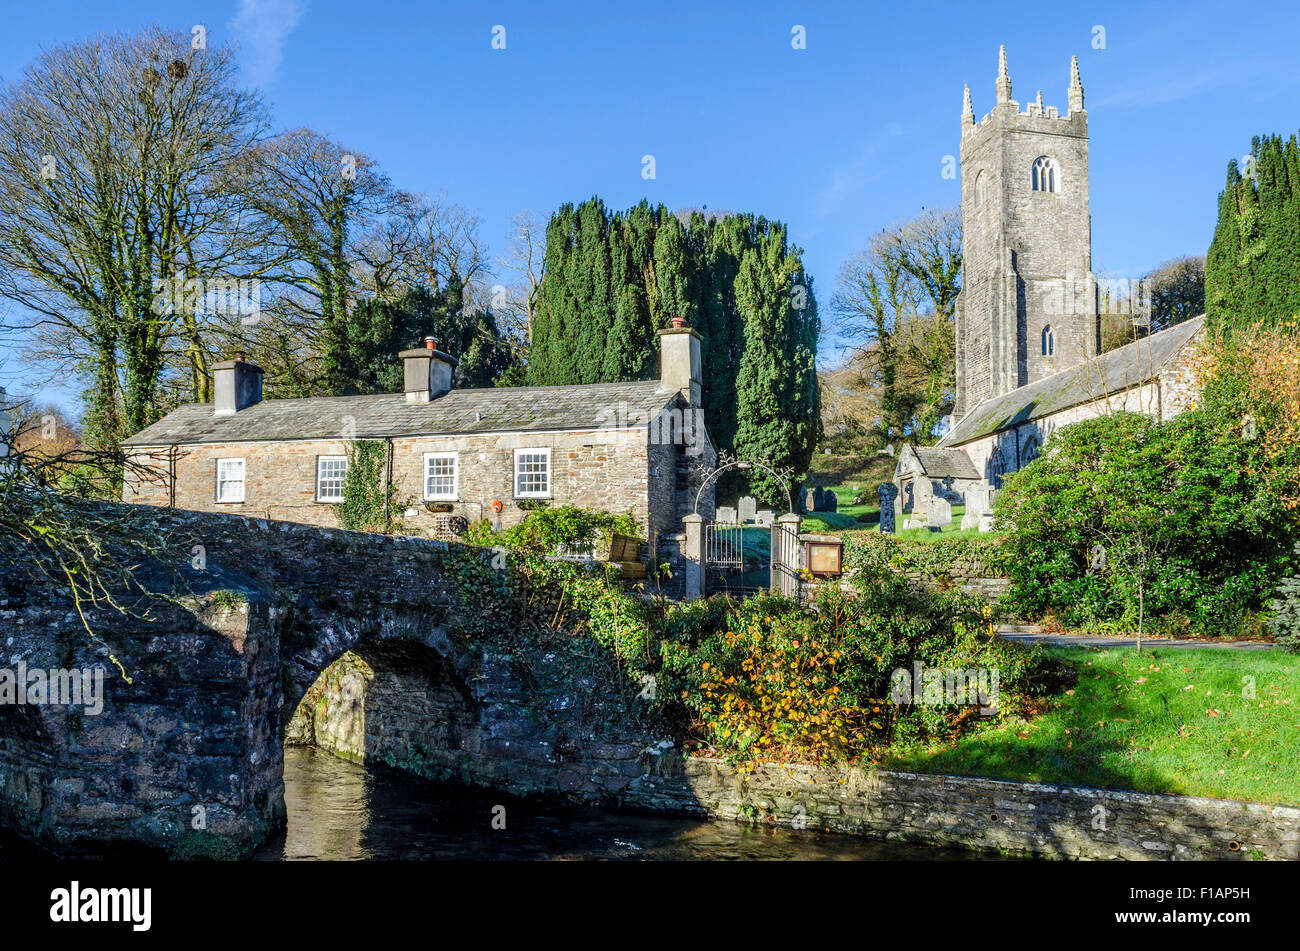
{"x":1112,"y":372}
{"x":944,"y":463}
{"x":456,"y":412}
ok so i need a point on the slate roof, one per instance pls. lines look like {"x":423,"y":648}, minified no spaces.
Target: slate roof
{"x":456,"y":412}
{"x":943,"y":463}
{"x":1113,"y":372}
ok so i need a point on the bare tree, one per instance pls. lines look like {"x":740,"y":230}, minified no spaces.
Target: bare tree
{"x":896,"y":300}
{"x":526,"y":258}
{"x":316,"y":200}
{"x":107,"y":149}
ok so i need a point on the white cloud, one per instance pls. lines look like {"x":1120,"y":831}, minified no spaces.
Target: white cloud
{"x":261,"y":27}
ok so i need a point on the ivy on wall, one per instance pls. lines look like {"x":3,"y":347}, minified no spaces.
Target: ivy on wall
{"x":370,"y":503}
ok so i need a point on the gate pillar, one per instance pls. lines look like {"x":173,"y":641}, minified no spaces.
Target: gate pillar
{"x":693,"y":555}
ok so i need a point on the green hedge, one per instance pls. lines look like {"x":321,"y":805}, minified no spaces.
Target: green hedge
{"x":874,"y":551}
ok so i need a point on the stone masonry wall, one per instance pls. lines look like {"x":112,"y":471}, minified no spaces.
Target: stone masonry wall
{"x":1040,"y":818}
{"x":607,"y":470}
{"x":187,"y":750}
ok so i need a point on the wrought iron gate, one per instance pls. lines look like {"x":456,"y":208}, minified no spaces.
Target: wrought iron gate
{"x":724,"y":560}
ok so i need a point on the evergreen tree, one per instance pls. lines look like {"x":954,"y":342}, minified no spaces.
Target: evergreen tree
{"x":613,"y":279}
{"x":1252,"y":270}
{"x":379,"y":330}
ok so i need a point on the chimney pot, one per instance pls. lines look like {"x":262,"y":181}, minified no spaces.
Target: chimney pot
{"x":431,"y":343}
{"x":239,"y":355}
{"x":679,"y":322}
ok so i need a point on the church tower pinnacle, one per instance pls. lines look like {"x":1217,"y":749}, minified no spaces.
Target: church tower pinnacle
{"x":1076,"y":87}
{"x":967,"y":111}
{"x":1004,"y":79}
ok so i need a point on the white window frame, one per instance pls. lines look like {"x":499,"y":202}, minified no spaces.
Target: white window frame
{"x":533,"y":493}
{"x":335,"y":458}
{"x":454,"y":494}
{"x":243,"y":478}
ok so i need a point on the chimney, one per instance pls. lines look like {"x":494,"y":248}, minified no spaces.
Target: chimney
{"x":238,"y":385}
{"x":428,"y":371}
{"x":5,"y":420}
{"x":679,"y":360}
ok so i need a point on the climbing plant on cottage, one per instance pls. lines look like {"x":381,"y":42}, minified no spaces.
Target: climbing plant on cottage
{"x":370,"y":502}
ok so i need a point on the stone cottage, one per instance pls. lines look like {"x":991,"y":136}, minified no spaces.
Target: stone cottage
{"x":454,"y":455}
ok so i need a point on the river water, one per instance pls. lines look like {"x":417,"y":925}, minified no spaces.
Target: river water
{"x":338,"y":810}
{"x":341,"y":811}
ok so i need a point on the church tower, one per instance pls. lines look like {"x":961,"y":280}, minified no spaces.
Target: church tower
{"x":1028,"y":305}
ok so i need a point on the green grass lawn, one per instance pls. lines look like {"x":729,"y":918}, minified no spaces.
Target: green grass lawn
{"x":1171,"y":721}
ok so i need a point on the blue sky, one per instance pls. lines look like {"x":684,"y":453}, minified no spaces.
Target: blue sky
{"x":838,"y":140}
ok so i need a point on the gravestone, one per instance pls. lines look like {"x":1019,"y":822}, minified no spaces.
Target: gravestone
{"x":986,"y":522}
{"x":830,"y":502}
{"x":764,"y":517}
{"x":748,"y":506}
{"x":810,"y":500}
{"x":887,"y":492}
{"x":726,"y":515}
{"x":938,"y":511}
{"x":979,"y":503}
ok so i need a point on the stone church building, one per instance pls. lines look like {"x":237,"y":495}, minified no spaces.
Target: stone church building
{"x":455,"y":456}
{"x":1028,"y":318}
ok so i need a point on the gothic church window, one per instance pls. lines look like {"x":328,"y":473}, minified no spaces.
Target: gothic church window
{"x":1044,"y":174}
{"x":1049,"y":341}
{"x":979,"y":190}
{"x":997,"y":468}
{"x":1031,"y":450}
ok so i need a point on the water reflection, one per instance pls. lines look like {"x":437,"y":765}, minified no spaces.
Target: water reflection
{"x":338,"y":810}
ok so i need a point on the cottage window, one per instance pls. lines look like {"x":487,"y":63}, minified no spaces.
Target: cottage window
{"x":330,"y":471}
{"x":230,"y":480}
{"x":441,"y":476}
{"x":532,"y":473}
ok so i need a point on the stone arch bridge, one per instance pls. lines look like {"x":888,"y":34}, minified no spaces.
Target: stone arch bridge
{"x":188,"y":757}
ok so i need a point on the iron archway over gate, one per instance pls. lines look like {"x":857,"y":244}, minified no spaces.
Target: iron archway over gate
{"x":731,"y":462}
{"x":728,"y":567}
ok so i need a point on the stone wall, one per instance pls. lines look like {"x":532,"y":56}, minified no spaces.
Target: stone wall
{"x":186,"y":753}
{"x":1039,"y":818}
